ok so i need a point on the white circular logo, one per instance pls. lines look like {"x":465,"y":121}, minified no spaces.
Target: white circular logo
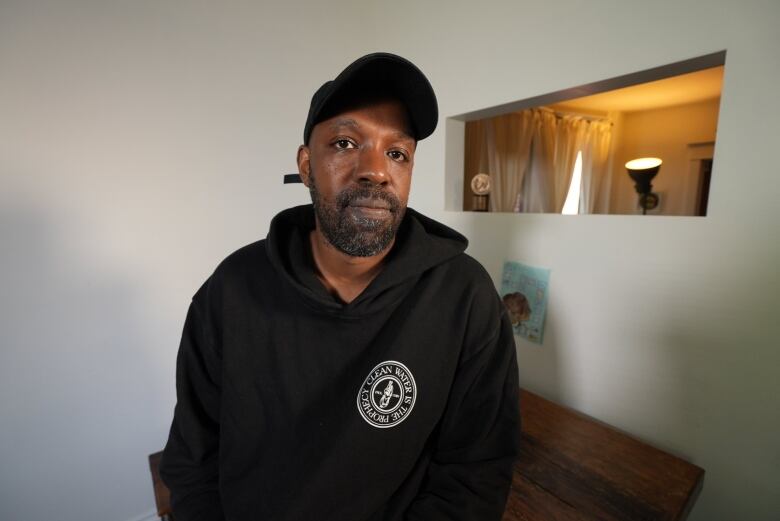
{"x":387,"y":395}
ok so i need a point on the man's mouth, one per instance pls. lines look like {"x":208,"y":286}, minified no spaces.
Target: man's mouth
{"x":371,"y":206}
{"x":370,"y":209}
{"x":370,"y":203}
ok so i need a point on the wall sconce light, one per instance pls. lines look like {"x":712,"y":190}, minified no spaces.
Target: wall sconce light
{"x":642,"y":171}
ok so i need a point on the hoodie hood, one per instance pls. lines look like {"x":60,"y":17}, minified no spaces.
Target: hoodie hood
{"x":421,"y":244}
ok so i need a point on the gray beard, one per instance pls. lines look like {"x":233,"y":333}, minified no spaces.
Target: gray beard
{"x":361,"y":237}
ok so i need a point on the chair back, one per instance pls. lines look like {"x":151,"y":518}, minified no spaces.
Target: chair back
{"x":162,"y":496}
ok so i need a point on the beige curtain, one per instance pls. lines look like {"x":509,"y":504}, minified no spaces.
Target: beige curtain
{"x":596,"y":168}
{"x":537,"y":193}
{"x":508,"y":143}
{"x":530,"y":157}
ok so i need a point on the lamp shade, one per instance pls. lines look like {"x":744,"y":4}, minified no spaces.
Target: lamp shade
{"x":644,"y":163}
{"x":642,"y":171}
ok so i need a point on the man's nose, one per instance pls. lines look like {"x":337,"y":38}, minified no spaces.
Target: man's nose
{"x":373,"y":166}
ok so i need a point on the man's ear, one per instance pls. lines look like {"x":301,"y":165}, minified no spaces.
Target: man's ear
{"x":304,"y":164}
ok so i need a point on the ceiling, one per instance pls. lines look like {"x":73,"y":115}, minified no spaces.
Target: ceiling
{"x":677,"y":90}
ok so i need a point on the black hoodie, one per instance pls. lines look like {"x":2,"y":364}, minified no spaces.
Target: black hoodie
{"x":401,"y":404}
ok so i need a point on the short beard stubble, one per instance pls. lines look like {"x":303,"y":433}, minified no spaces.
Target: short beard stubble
{"x":357,"y":237}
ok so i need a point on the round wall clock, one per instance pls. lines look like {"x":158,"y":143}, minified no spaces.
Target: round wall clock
{"x":480,"y":184}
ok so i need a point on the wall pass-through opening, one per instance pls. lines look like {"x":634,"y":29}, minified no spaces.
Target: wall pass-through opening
{"x":567,"y":153}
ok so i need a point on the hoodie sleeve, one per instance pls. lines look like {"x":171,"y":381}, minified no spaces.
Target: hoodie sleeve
{"x":189,"y":465}
{"x":471,"y":469}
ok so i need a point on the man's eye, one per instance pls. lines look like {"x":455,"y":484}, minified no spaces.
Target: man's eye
{"x":344,"y":144}
{"x":397,"y":155}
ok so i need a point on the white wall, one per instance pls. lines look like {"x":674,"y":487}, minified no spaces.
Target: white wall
{"x":140,"y":142}
{"x":664,"y":327}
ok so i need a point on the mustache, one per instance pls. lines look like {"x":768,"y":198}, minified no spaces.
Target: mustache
{"x":346,"y":196}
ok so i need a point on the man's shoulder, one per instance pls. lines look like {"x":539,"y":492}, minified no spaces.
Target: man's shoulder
{"x":468,"y":271}
{"x":443,"y":249}
{"x":245,"y":258}
{"x":478,"y":303}
{"x":240,"y":267}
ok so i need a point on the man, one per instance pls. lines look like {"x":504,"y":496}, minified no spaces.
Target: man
{"x":355,"y":364}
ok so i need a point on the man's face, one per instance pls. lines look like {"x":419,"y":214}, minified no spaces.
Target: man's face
{"x":358,"y":167}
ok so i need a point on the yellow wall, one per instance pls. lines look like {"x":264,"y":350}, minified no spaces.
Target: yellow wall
{"x":665,"y":133}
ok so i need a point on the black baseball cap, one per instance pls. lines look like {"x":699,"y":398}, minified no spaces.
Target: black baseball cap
{"x":374,"y":75}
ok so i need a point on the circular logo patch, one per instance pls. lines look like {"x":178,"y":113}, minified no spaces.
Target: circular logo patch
{"x":387,"y":395}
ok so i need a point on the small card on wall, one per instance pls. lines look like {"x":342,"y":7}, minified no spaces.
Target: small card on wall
{"x":524,"y":292}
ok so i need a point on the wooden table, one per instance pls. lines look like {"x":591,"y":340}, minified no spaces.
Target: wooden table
{"x":572,"y":467}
